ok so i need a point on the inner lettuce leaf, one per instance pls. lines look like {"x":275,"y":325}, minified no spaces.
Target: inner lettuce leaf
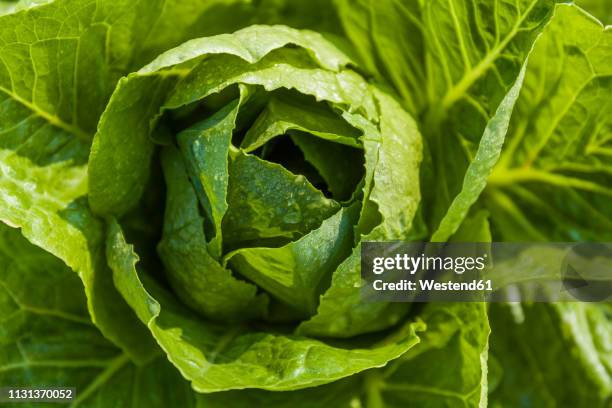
{"x":196,"y":276}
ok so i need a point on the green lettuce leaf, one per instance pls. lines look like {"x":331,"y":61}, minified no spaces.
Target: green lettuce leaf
{"x":215,"y":357}
{"x":552,"y":182}
{"x":297,"y":272}
{"x":49,"y":206}
{"x":388,"y":38}
{"x":552,"y":355}
{"x":267,"y":201}
{"x":197,"y":278}
{"x":119,"y":166}
{"x":289,"y":113}
{"x":457,"y":334}
{"x":452,"y":62}
{"x":206,"y":146}
{"x":601,"y":9}
{"x":47,"y":338}
{"x":478,"y":171}
{"x":395,"y":196}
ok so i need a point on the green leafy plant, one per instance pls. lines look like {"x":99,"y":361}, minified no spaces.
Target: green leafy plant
{"x":185,"y":186}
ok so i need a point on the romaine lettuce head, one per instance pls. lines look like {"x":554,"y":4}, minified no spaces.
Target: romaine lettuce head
{"x":267,"y":158}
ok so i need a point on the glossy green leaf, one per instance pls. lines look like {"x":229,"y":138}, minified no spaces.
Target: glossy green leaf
{"x":265,"y":201}
{"x":388,"y":37}
{"x":47,"y":338}
{"x":216,"y":357}
{"x":478,"y":171}
{"x":115,"y":153}
{"x":290,"y":113}
{"x":198,"y":279}
{"x":396,"y":194}
{"x":206,"y":147}
{"x":342,"y":313}
{"x":300,"y":270}
{"x":252,"y":44}
{"x":457,"y":335}
{"x":49,"y":206}
{"x":553,"y":179}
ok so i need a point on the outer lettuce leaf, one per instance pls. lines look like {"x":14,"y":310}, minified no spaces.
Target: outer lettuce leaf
{"x":134,"y":102}
{"x":554,"y":355}
{"x":553,"y":179}
{"x":489,"y":49}
{"x":59,"y":64}
{"x":53,"y":87}
{"x":215,"y":357}
{"x":601,"y":9}
{"x":551,"y":183}
{"x":47,"y":338}
{"x":182,"y":20}
{"x":487,"y":155}
{"x":388,"y":37}
{"x":472,"y":53}
{"x":457,"y":335}
{"x":251,"y":45}
{"x":48,"y":204}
